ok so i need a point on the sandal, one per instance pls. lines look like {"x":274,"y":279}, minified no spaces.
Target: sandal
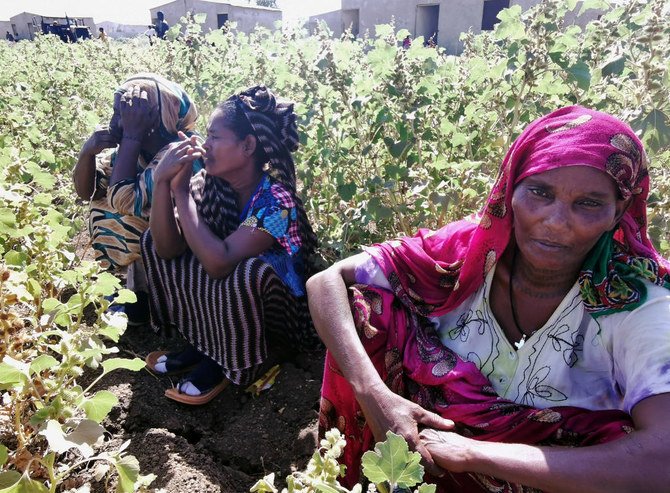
{"x":175,"y":362}
{"x":208,"y":376}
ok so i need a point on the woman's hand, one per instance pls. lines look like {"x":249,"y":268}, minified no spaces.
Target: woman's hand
{"x":176,"y":164}
{"x":99,"y":140}
{"x":138,"y":117}
{"x":386,"y":411}
{"x":449,"y":450}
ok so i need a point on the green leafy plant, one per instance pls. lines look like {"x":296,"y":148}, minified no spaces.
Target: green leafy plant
{"x":390,"y":467}
{"x":391,"y":140}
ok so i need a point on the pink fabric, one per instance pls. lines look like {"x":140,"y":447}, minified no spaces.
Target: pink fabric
{"x":435,"y":271}
{"x":414,"y":363}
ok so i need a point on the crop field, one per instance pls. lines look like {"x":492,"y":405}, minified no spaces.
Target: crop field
{"x":391,"y":140}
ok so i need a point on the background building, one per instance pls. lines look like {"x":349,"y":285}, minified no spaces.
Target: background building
{"x":6,"y":26}
{"x":442,"y":20}
{"x":247,"y":16}
{"x":26,"y":24}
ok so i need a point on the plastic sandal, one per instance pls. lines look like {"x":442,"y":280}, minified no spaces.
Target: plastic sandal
{"x":178,"y":361}
{"x":196,"y":400}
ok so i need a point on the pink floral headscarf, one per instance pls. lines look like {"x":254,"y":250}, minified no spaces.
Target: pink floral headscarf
{"x":435,"y":271}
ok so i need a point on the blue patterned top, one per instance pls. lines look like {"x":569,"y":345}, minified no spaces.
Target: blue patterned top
{"x":273,"y":210}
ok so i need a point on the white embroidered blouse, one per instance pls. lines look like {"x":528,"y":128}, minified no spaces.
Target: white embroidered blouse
{"x":612,"y":362}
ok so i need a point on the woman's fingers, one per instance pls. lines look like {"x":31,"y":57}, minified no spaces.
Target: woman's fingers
{"x":428,"y":461}
{"x":432,"y":420}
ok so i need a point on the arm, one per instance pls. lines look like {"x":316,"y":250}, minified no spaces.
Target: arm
{"x":636,"y":462}
{"x":218,"y":257}
{"x":334,"y":322}
{"x":175,"y":164}
{"x":85,"y":171}
{"x":137,"y":119}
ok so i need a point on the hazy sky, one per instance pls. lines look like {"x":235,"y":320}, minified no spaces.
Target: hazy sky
{"x":137,"y":11}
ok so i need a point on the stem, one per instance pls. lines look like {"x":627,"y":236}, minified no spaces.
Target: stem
{"x":515,"y":119}
{"x":20,"y":437}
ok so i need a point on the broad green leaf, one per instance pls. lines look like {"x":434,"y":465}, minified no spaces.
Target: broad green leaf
{"x":593,"y":5}
{"x":16,"y":258}
{"x":20,"y":484}
{"x":614,"y":67}
{"x":383,"y":30}
{"x":106,"y":284}
{"x":7,"y":218}
{"x":46,"y":155}
{"x":402,"y":34}
{"x":129,"y":470}
{"x":125,"y":296}
{"x":426,"y":488}
{"x":655,"y":128}
{"x":13,"y":373}
{"x":347,"y":191}
{"x":8,"y":479}
{"x":135,"y":364}
{"x":43,"y":362}
{"x":83,"y":437}
{"x":510,"y":27}
{"x":3,"y":455}
{"x":580,"y":73}
{"x":392,"y":462}
{"x":265,"y":485}
{"x":98,"y":407}
{"x":321,"y":487}
{"x":51,"y":304}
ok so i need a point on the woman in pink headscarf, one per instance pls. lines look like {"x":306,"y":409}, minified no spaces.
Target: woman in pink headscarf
{"x":497,"y":344}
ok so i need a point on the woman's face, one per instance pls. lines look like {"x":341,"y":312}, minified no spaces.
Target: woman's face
{"x":560,"y":214}
{"x":225,"y":153}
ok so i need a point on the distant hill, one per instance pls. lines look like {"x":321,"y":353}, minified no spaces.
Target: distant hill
{"x":116,"y":30}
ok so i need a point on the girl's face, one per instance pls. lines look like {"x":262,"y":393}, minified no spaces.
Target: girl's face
{"x":225,"y":153}
{"x":559,"y":215}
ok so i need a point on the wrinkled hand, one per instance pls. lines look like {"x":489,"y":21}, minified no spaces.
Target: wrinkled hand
{"x":387,"y":411}
{"x":99,"y":140}
{"x":138,"y":117}
{"x":449,"y":450}
{"x":176,"y":164}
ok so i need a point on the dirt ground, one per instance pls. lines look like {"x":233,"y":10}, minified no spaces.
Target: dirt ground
{"x":225,"y":445}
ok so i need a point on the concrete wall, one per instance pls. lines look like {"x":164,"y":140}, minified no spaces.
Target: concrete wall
{"x":24,"y":23}
{"x":455,"y":17}
{"x":246,"y":17}
{"x":334,"y":20}
{"x":4,"y":27}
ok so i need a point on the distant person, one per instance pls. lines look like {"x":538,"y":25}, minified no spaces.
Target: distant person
{"x":161,"y":26}
{"x":151,"y":34}
{"x":102,"y":36}
{"x":10,"y":37}
{"x":406,"y":43}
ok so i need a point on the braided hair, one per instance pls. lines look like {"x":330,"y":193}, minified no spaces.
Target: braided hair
{"x":257,"y":112}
